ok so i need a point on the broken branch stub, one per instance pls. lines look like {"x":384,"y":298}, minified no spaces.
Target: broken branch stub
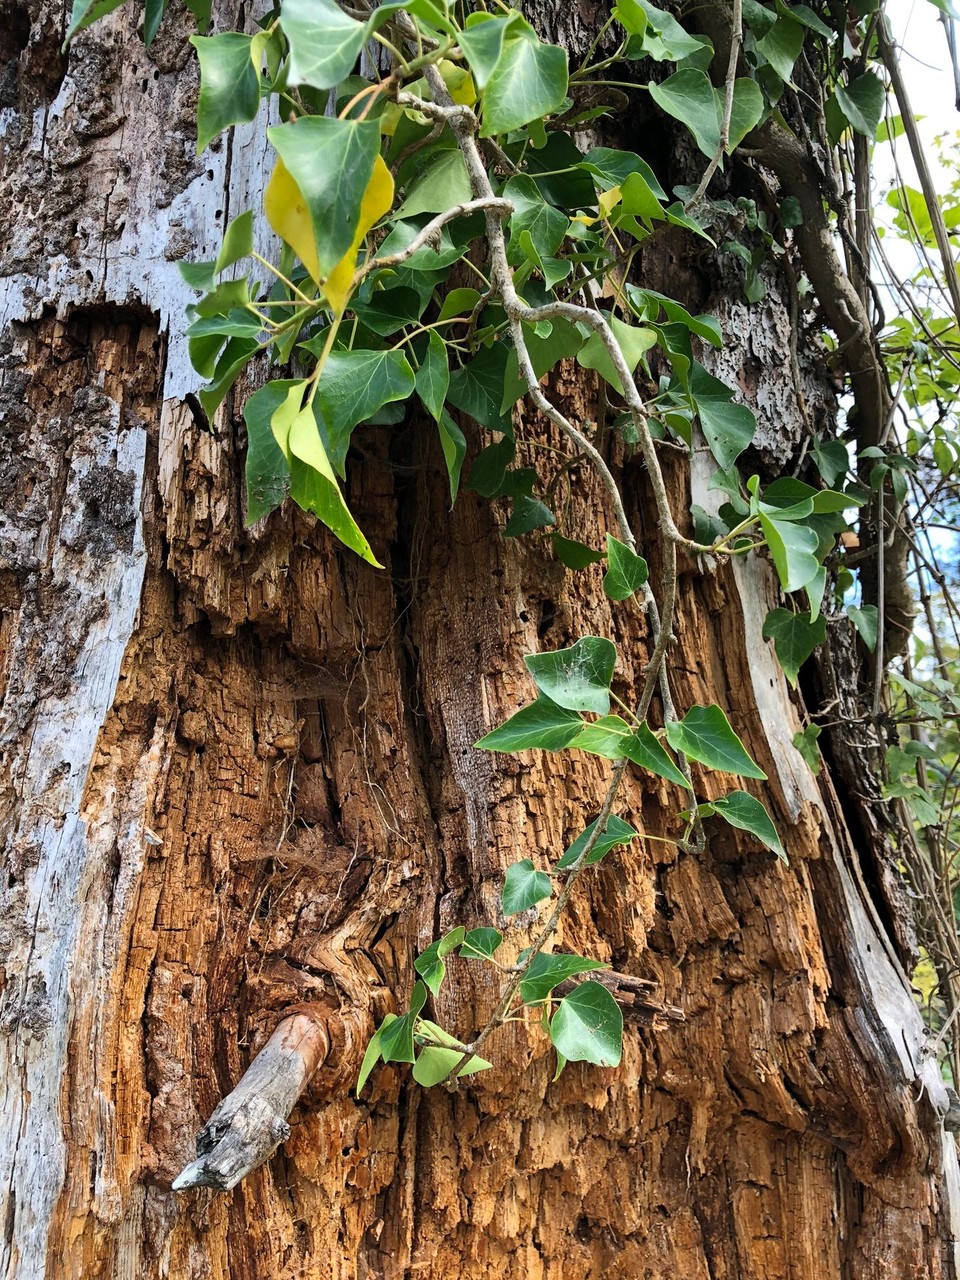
{"x":251,"y":1122}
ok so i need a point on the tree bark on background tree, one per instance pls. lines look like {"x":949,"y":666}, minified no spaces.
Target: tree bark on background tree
{"x":239,"y":780}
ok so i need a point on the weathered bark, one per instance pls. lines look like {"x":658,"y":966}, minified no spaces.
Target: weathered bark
{"x":241,"y":778}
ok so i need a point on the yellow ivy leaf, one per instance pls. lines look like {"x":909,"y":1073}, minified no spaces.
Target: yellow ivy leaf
{"x":609,"y":200}
{"x":289,"y":217}
{"x":377,"y":200}
{"x":284,"y":416}
{"x":459,"y":83}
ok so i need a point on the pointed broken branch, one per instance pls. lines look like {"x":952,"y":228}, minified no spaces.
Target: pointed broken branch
{"x":251,"y":1122}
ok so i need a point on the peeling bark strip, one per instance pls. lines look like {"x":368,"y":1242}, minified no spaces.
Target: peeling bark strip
{"x":251,"y":1122}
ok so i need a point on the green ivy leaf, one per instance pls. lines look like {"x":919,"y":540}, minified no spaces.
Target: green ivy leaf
{"x":548,"y":970}
{"x":575,"y":555}
{"x":235,"y":356}
{"x":441,"y":184}
{"x":528,"y":514}
{"x":237,"y":242}
{"x":235,"y":324}
{"x":806,"y":743}
{"x":862,"y":103}
{"x":374,"y":1053}
{"x":435,"y":1064}
{"x":689,"y":97}
{"x":615,"y":832}
{"x":454,"y":446}
{"x":153,"y":12}
{"x":795,"y":637}
{"x":748,"y":814}
{"x":577,"y":678}
{"x":815,"y":589}
{"x":489,"y":471}
{"x":646,"y":750}
{"x":429,"y":964}
{"x":198,"y":275}
{"x":313,"y":484}
{"x":389,"y":310}
{"x":542,"y":724}
{"x":200,"y":9}
{"x":657,"y":33}
{"x":331,"y":161}
{"x":746,"y":112}
{"x":803,"y":13}
{"x":433,"y":376}
{"x":524,"y":887}
{"x":613,"y":168}
{"x":458,"y":302}
{"x":634,"y":342}
{"x":612,"y":738}
{"x":86,"y":12}
{"x":793,"y":547}
{"x":477,"y":387}
{"x":324,"y":42}
{"x":267,"y":473}
{"x":648,"y":304}
{"x":481,"y":944}
{"x":758,"y":18}
{"x":528,"y":82}
{"x":727,"y":427}
{"x":546,"y":225}
{"x":545,"y":351}
{"x":866,"y":620}
{"x":482,"y":42}
{"x":705,"y":734}
{"x":781,"y":46}
{"x":396,"y":1038}
{"x":833,"y":460}
{"x":352,"y":387}
{"x":588,"y":1026}
{"x":229,"y":84}
{"x":627,"y":572}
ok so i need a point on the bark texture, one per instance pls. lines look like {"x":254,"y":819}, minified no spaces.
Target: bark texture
{"x":240,"y":778}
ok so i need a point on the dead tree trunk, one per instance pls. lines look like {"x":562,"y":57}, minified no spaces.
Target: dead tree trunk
{"x":239,"y":778}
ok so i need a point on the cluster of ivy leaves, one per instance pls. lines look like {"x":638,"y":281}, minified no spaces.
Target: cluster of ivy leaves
{"x":360,"y":325}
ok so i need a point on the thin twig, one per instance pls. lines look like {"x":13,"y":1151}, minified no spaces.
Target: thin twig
{"x":736,"y":40}
{"x":891,"y":62}
{"x":430,"y":232}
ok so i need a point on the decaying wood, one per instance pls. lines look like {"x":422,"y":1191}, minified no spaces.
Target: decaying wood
{"x":240,"y":777}
{"x":634,"y":996}
{"x":251,"y":1122}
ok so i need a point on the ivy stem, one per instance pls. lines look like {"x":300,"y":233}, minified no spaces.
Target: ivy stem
{"x":369,"y":90}
{"x":736,"y":39}
{"x":623,"y":707}
{"x":463,"y":124}
{"x":499,"y":1014}
{"x":264,"y":262}
{"x":322,"y":360}
{"x":720,"y":546}
{"x":432,"y":230}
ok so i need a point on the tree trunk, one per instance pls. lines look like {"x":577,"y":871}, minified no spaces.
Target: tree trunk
{"x":240,"y":780}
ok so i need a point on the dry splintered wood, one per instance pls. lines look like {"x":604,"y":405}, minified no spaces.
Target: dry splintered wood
{"x":251,"y":1122}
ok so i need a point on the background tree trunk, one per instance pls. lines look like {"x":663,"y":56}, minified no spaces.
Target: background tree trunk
{"x":240,"y":777}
